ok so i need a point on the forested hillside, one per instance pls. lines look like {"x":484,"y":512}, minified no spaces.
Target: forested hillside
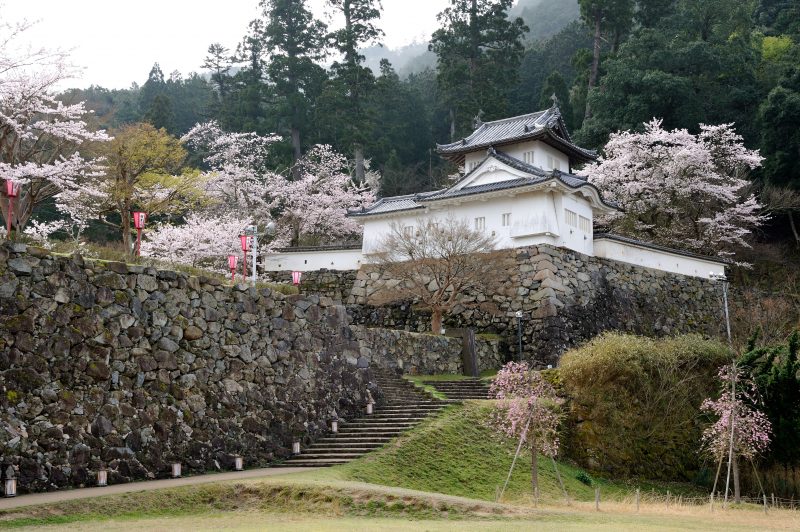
{"x":613,"y":65}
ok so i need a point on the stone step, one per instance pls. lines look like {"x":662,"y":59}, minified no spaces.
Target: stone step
{"x":312,"y":463}
{"x":342,"y":451}
{"x":406,"y":405}
{"x":363,"y":446}
{"x":376,"y":429}
{"x":307,"y":455}
{"x":363,"y":442}
{"x":373,"y":418}
{"x":377,"y":426}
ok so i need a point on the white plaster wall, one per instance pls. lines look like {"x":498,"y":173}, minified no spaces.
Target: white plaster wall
{"x":473,"y":158}
{"x":575,"y":237}
{"x":660,"y":260}
{"x":536,"y":218}
{"x":541,"y":152}
{"x":304,"y":261}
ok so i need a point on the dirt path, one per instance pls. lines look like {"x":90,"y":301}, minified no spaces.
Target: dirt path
{"x":148,"y":485}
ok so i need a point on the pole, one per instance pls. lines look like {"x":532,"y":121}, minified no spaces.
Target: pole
{"x":727,"y":316}
{"x":733,"y":423}
{"x":10,"y":214}
{"x":255,"y":256}
{"x":519,"y":337}
{"x":244,"y":266}
{"x":138,"y":241}
{"x":514,"y":461}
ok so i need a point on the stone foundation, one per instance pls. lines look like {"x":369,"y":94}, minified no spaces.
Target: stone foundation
{"x":130,"y":368}
{"x":422,"y":354}
{"x":566,"y":298}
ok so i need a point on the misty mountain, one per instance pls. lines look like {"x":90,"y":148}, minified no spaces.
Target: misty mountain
{"x":545,"y":18}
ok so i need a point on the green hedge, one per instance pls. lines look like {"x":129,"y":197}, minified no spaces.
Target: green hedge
{"x":634,"y":403}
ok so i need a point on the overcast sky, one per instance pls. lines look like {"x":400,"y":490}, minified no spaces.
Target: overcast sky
{"x":116,"y":42}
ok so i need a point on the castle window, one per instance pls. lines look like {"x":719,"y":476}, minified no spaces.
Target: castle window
{"x":553,"y":163}
{"x":571,"y":218}
{"x":585,"y":224}
{"x":528,"y":157}
{"x":408,"y":231}
{"x":480,"y":223}
{"x":506,"y":219}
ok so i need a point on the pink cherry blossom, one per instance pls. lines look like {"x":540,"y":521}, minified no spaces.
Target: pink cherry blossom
{"x":680,"y":189}
{"x":526,"y":401}
{"x":751,"y":428}
{"x":40,"y":136}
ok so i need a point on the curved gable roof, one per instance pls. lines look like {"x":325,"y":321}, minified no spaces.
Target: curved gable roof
{"x":533,"y":176}
{"x":547,"y":126}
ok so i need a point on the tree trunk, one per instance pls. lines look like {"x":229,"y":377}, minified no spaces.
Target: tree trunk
{"x":595,"y":64}
{"x":436,"y":321}
{"x":534,"y":471}
{"x":794,"y":228}
{"x":359,"y":155}
{"x":296,"y":152}
{"x":737,"y":492}
{"x":125,"y":227}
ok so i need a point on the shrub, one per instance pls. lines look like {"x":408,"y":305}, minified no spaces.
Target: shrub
{"x":635,"y":403}
{"x":584,"y":478}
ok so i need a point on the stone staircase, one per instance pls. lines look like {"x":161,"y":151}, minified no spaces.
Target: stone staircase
{"x":462,"y":389}
{"x":405,"y":406}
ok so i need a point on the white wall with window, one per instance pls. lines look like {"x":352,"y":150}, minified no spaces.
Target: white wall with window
{"x":539,"y":154}
{"x":577,"y":219}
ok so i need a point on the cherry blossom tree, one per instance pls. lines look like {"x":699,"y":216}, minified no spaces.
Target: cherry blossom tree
{"x":202,"y":241}
{"x":307,"y":210}
{"x":527,"y":410}
{"x":741,"y":431}
{"x":680,"y":189}
{"x":40,"y":137}
{"x":239,"y":177}
{"x":313,"y":208}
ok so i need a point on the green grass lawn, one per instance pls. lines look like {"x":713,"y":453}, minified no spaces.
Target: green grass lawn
{"x":443,"y":475}
{"x":459,"y":454}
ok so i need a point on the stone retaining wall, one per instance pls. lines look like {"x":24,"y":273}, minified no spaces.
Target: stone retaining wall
{"x":335,"y":284}
{"x":422,"y":354}
{"x":107,"y":364}
{"x":566,"y":298}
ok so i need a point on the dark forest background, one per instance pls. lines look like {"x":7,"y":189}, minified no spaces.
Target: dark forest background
{"x":612,"y":64}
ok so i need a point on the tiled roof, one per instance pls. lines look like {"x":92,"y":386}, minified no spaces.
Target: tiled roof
{"x":330,"y":247}
{"x":531,"y":126}
{"x":633,"y":241}
{"x":537,"y":176}
{"x":393,"y":204}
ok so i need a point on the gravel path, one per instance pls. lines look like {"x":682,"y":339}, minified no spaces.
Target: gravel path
{"x":148,"y":485}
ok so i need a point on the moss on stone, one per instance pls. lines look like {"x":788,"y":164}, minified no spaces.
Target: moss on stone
{"x":13,"y":397}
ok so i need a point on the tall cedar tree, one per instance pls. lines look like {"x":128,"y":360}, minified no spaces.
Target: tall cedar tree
{"x":154,"y":101}
{"x":353,"y":80}
{"x":295,"y":41}
{"x":479,"y":52}
{"x":218,"y":61}
{"x":252,"y":91}
{"x":605,"y":17}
